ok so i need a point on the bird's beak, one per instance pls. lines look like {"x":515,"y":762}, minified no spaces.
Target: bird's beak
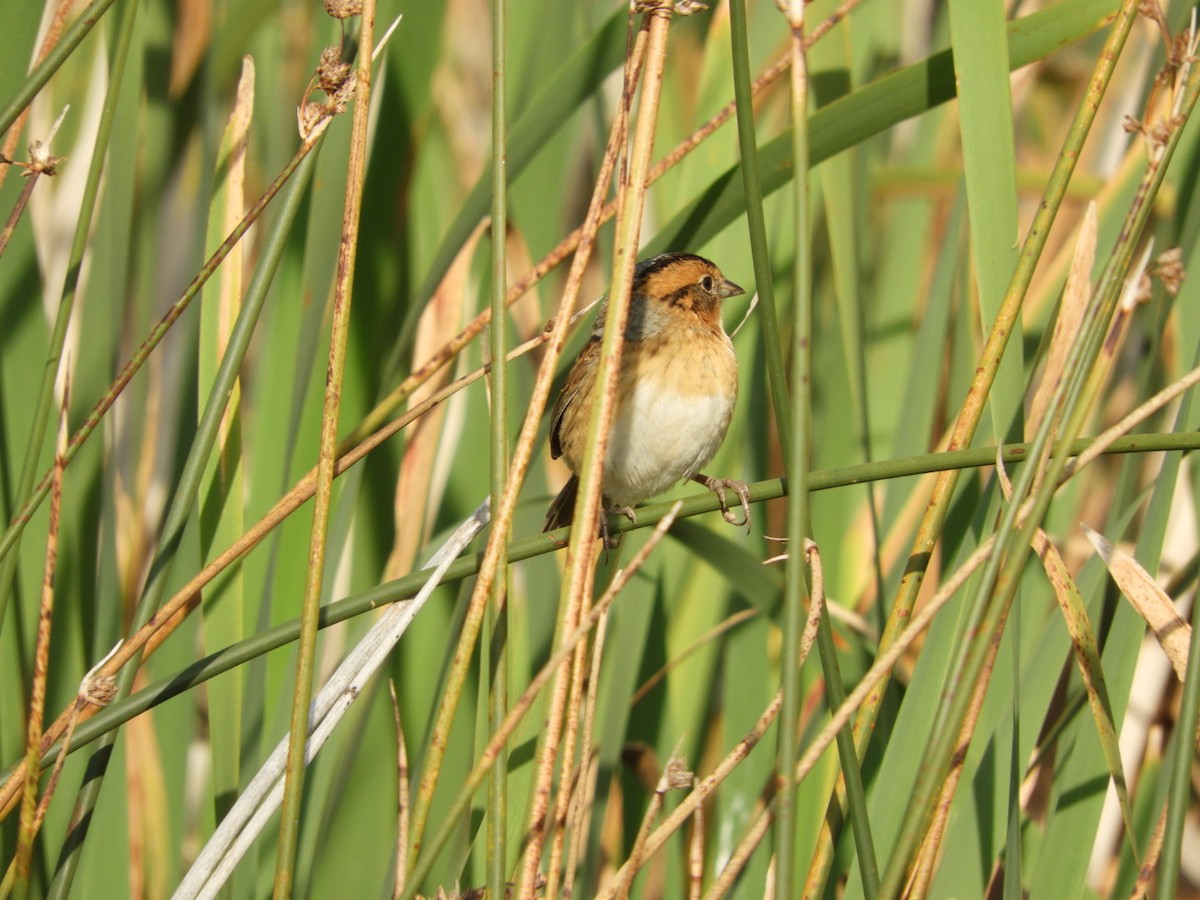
{"x":729,"y":289}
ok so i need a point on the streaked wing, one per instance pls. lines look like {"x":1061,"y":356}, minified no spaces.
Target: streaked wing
{"x":578,"y":384}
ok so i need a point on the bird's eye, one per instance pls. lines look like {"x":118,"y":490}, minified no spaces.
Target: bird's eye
{"x":707,"y":282}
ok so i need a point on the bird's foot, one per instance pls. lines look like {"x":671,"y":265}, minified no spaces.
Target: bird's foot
{"x":612,"y":541}
{"x":719,"y":486}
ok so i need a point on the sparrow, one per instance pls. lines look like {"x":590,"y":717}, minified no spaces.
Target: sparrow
{"x":676,"y":390}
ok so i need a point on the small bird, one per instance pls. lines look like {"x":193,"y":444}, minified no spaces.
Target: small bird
{"x":675,"y":391}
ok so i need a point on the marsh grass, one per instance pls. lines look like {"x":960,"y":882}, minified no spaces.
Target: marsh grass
{"x":679,"y":738}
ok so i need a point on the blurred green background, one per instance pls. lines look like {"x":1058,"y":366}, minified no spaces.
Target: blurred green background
{"x":918,"y":209}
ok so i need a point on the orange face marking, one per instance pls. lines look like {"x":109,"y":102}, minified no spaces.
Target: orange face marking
{"x":685,"y":273}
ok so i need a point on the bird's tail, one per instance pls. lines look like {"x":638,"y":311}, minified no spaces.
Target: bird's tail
{"x":563,"y":508}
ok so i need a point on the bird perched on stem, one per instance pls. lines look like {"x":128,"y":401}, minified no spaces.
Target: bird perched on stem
{"x":675,"y":391}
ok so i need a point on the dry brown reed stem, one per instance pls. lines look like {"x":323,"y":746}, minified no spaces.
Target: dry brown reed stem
{"x":357,"y":86}
{"x":168,"y":617}
{"x":522,"y":455}
{"x":53,"y":33}
{"x":631,"y":199}
{"x":401,"y":795}
{"x":569,"y":773}
{"x":882,"y":666}
{"x":696,"y":854}
{"x":1144,"y":411}
{"x":18,"y":208}
{"x":41,"y":162}
{"x":93,"y":689}
{"x":521,"y":707}
{"x":637,"y":851}
{"x":586,"y":790}
{"x":922,"y":868}
{"x":1147,"y":869}
{"x":741,"y":750}
{"x":37,"y":704}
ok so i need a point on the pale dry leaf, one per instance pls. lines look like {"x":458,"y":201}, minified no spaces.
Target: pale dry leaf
{"x":1172,"y":632}
{"x":232,"y":160}
{"x":1070,"y":314}
{"x":440,"y":321}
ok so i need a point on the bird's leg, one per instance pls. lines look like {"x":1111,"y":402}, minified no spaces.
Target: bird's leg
{"x":719,"y":486}
{"x":611,"y":541}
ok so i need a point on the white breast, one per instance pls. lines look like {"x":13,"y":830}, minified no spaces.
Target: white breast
{"x":672,"y":436}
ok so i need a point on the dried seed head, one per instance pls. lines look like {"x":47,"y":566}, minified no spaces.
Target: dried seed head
{"x":1151,"y":10}
{"x":680,"y":7}
{"x":99,"y":690}
{"x":678,"y":776}
{"x":1168,"y":269}
{"x":308,"y":117}
{"x":343,"y":9}
{"x":1162,"y":131}
{"x":332,"y":73}
{"x":41,"y":160}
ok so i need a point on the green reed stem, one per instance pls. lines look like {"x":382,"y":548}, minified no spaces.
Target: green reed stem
{"x":61,"y":883}
{"x":356,"y":166}
{"x":395,"y":591}
{"x":184,"y":498}
{"x":42,"y":73}
{"x":1000,"y":576}
{"x":497,"y":611}
{"x":62,"y":318}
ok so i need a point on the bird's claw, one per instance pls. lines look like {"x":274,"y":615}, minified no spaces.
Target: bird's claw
{"x":626,"y":511}
{"x":719,"y":486}
{"x":612,"y":541}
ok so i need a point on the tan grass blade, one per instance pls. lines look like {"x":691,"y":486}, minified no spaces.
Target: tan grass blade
{"x":1172,"y":632}
{"x":440,"y":321}
{"x":262,"y":796}
{"x":1070,"y":315}
{"x":1087,"y":655}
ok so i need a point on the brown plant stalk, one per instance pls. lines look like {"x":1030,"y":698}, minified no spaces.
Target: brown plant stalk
{"x":971,"y":411}
{"x":631,"y":198}
{"x":372,"y":432}
{"x":171,"y":614}
{"x":555,"y":336}
{"x":586,"y":783}
{"x":37,"y":704}
{"x":53,"y":33}
{"x":707,"y":785}
{"x":356,"y":168}
{"x":491,"y":752}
